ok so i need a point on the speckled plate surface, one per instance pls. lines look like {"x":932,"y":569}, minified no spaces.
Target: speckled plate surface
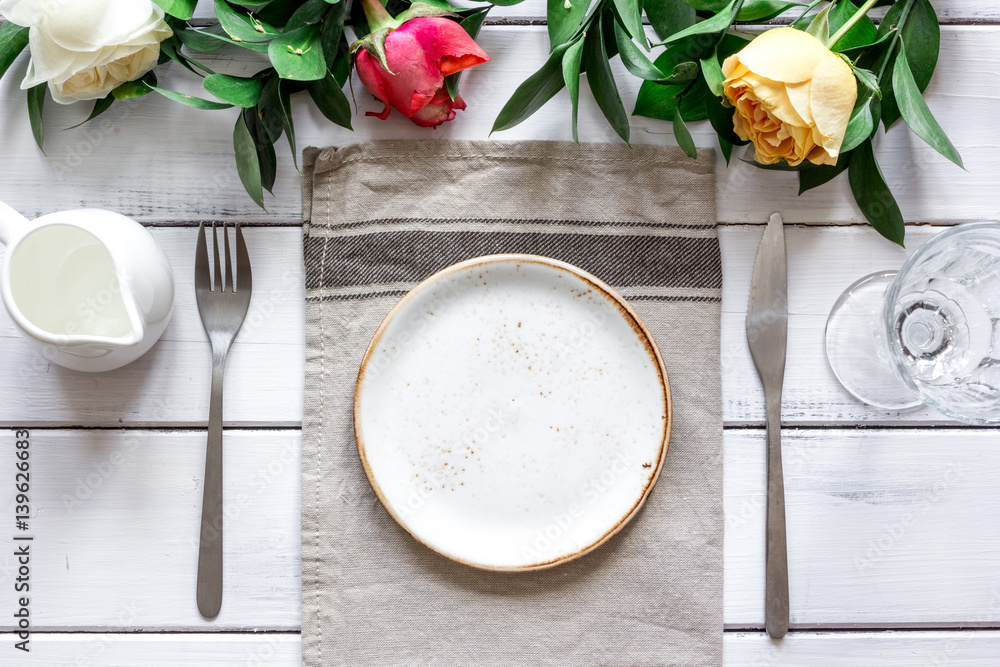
{"x":512,"y":412}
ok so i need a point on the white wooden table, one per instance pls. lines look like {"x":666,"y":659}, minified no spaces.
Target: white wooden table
{"x":894,"y":543}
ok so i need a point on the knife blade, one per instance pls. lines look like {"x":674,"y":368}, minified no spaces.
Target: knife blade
{"x":767,"y":336}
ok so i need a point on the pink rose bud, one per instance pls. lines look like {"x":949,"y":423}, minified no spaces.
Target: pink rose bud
{"x":420,"y":53}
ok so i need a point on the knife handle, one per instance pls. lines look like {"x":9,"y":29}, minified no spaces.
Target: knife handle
{"x":776,"y":579}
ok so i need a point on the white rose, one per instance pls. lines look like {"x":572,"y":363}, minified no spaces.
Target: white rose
{"x":84,"y":49}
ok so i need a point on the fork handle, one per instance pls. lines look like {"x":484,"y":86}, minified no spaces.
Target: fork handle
{"x":210,"y":548}
{"x":776,"y":578}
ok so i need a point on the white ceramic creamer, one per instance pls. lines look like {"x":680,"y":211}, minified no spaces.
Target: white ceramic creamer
{"x":91,"y":289}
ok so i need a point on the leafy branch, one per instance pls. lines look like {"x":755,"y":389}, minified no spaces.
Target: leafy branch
{"x":892,"y":62}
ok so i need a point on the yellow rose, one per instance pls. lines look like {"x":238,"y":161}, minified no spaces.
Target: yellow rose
{"x":793,"y":97}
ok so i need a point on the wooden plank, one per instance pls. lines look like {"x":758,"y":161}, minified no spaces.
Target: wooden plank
{"x":886,"y":527}
{"x":115,"y":517}
{"x":882,"y":649}
{"x":161,"y":161}
{"x":170,"y":385}
{"x":743,"y":649}
{"x":170,"y":650}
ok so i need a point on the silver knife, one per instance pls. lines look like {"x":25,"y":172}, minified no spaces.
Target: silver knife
{"x":767,"y":333}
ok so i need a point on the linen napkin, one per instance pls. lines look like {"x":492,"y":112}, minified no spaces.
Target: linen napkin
{"x":382,"y":216}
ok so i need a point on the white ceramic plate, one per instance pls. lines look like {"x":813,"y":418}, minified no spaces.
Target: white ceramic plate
{"x":512,"y":412}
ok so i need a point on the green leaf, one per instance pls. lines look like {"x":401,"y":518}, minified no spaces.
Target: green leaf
{"x":659,"y":101}
{"x":856,"y":51}
{"x":269,"y":107}
{"x":332,"y":33}
{"x":247,"y":162}
{"x":707,"y":5}
{"x":820,"y":26}
{"x":764,"y":10}
{"x":536,"y":90}
{"x":138,"y":88}
{"x":683,"y":73}
{"x":259,"y":47}
{"x":571,"y":76}
{"x":422,"y":10}
{"x":862,"y":33}
{"x":236,"y":90}
{"x":190,"y":100}
{"x":915,"y":111}
{"x":873,"y":195}
{"x":563,"y":18}
{"x":629,"y":13}
{"x":824,"y":173}
{"x":727,"y":149}
{"x":716,"y":24}
{"x":285,"y":100}
{"x":267,"y":161}
{"x":242,"y":25}
{"x":683,"y":136}
{"x":36,"y":100}
{"x":331,"y":101}
{"x":298,"y":55}
{"x":669,"y":16}
{"x":713,"y":74}
{"x":602,"y":81}
{"x":182,"y":9}
{"x":472,"y":23}
{"x":309,"y":12}
{"x":868,"y":80}
{"x":198,"y":40}
{"x":860,"y":127}
{"x":172,"y":48}
{"x":100,"y":106}
{"x":13,"y":39}
{"x":635,"y":61}
{"x":921,"y":37}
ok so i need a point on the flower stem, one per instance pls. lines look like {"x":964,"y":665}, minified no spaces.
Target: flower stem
{"x":376,"y":14}
{"x":858,"y":15}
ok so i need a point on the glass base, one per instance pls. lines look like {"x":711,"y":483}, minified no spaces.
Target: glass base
{"x":856,"y":347}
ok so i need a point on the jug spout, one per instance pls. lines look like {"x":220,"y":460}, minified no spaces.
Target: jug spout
{"x":11,"y":223}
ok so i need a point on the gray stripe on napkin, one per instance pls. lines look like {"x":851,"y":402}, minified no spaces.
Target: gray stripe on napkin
{"x":380,"y":217}
{"x":414,"y":255}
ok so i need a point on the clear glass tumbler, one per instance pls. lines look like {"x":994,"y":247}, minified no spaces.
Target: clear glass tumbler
{"x":929,"y":333}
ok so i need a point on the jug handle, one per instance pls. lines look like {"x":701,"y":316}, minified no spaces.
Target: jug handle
{"x":11,"y":222}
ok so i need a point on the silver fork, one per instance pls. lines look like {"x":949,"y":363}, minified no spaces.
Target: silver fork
{"x":223,"y":307}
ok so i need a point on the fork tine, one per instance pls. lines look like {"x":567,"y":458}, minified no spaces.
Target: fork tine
{"x":229,"y":262}
{"x":202,"y":271}
{"x":245,"y":278}
{"x":218,"y":266}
